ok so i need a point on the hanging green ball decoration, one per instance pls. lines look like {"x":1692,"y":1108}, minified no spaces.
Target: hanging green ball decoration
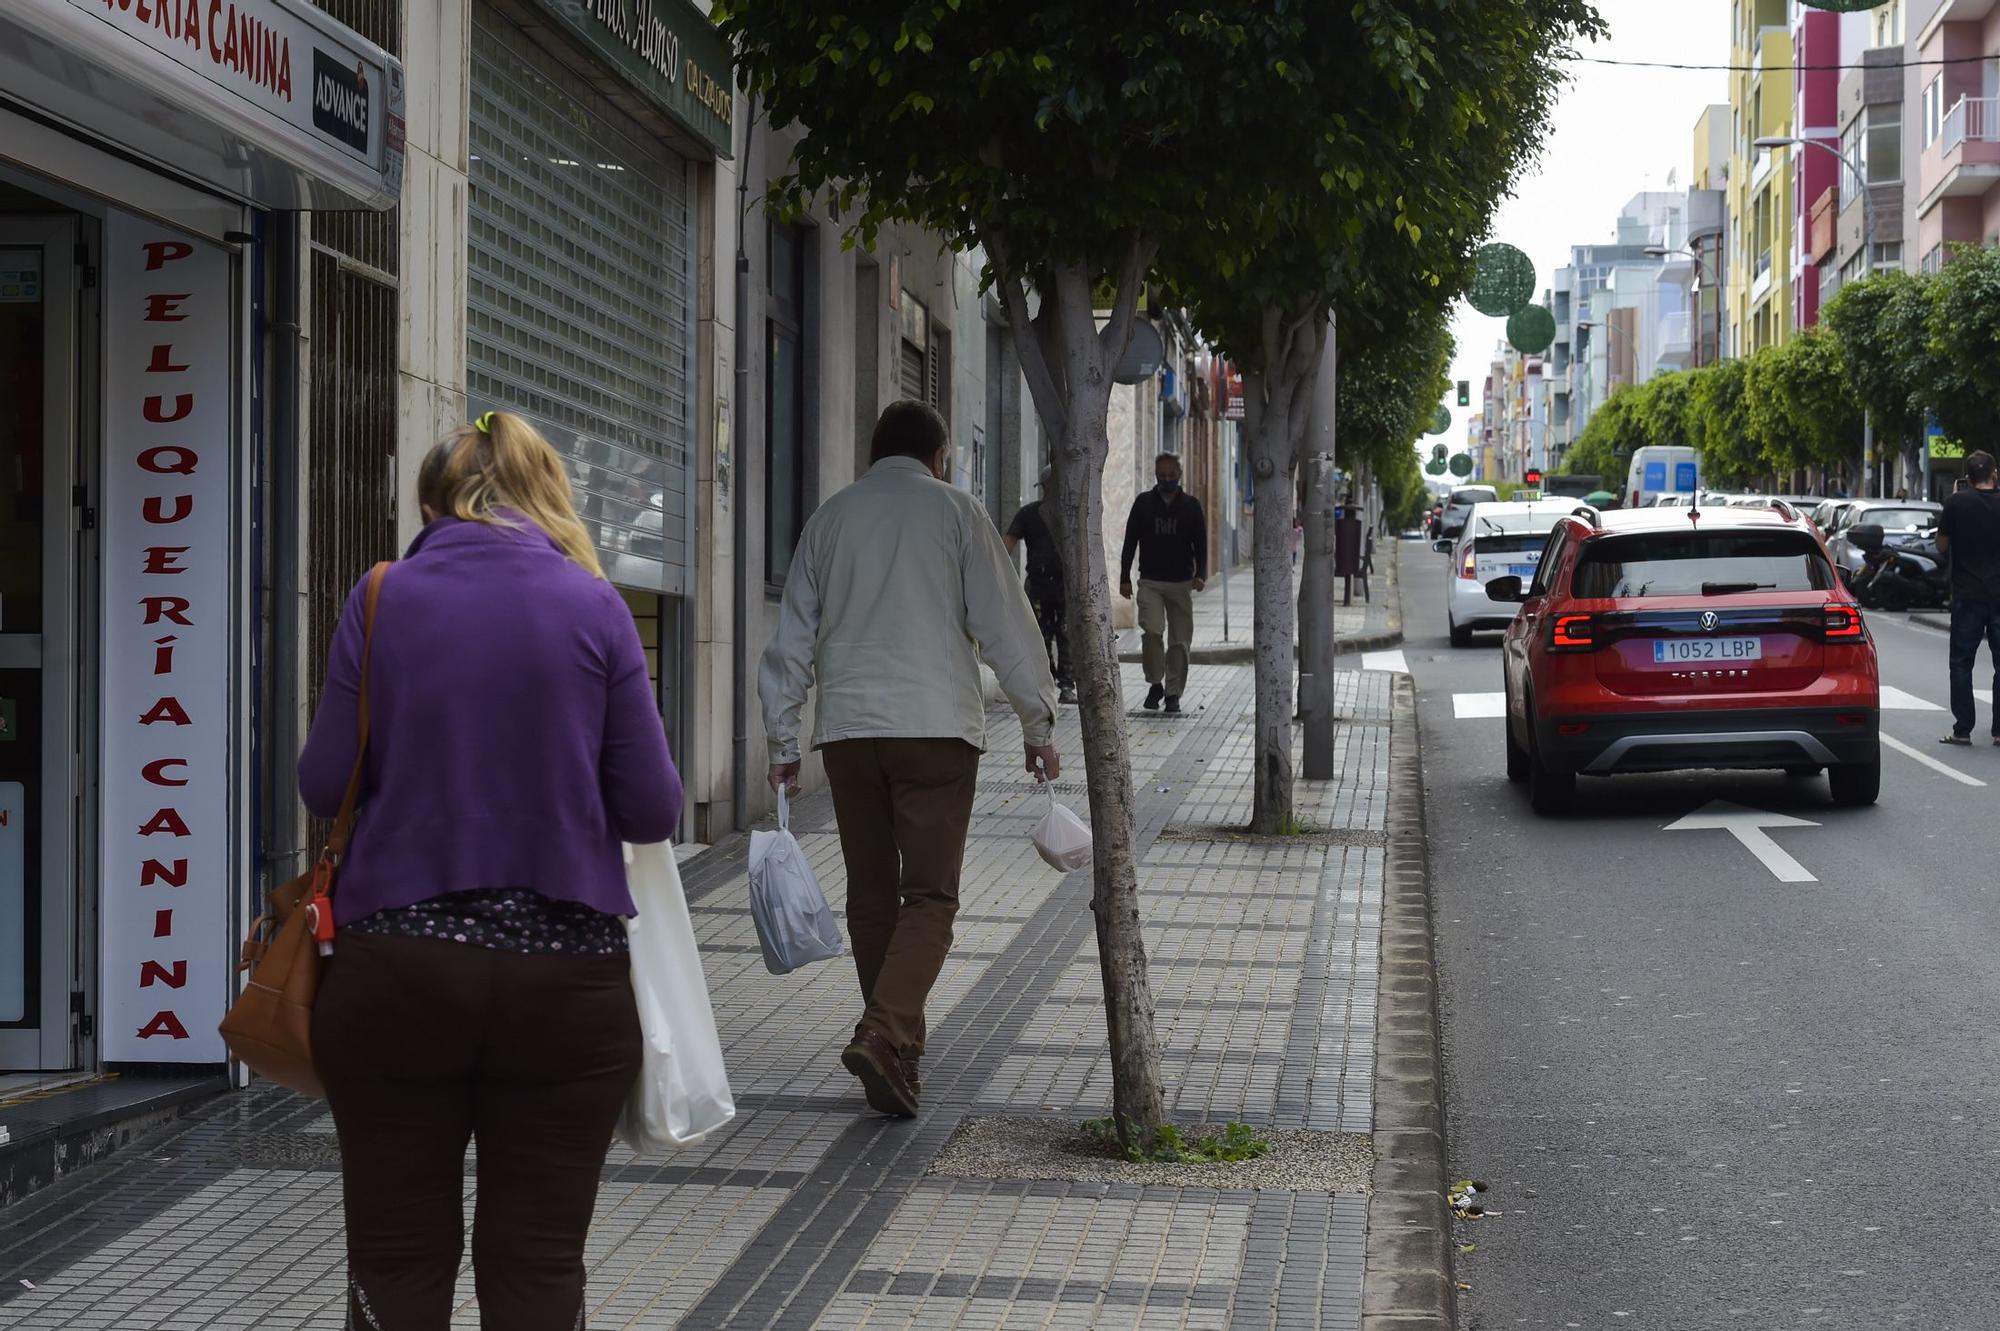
{"x":1532,"y":330}
{"x":1503,"y":280}
{"x":1435,"y":468}
{"x":1440,"y":421}
{"x":1461,"y":465}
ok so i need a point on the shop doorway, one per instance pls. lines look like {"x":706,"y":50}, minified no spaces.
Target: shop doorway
{"x":40,"y":738}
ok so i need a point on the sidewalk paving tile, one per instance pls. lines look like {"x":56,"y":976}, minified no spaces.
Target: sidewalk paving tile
{"x":806,"y":1211}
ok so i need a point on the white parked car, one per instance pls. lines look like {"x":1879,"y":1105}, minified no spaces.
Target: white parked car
{"x":1499,"y":540}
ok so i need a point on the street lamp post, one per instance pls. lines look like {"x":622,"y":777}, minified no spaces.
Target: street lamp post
{"x":1867,"y":242}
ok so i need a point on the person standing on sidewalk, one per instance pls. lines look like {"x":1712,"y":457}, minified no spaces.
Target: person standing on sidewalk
{"x":899,"y":588}
{"x":1969,"y":531}
{"x":1170,"y":534}
{"x":479,"y":988}
{"x":1045,"y":583}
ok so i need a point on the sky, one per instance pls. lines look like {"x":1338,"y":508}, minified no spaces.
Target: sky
{"x":1615,"y":132}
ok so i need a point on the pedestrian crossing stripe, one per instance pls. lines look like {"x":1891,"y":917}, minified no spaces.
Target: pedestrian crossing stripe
{"x":1391,"y":661}
{"x":1470,"y":706}
{"x":1895,"y":700}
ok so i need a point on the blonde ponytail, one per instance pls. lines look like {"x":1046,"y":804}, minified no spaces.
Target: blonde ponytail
{"x":504,"y":462}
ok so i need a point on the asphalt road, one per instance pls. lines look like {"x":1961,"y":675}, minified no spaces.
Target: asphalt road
{"x":1702,"y":1096}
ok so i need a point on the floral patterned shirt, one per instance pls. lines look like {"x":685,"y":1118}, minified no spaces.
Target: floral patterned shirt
{"x":506,"y":919}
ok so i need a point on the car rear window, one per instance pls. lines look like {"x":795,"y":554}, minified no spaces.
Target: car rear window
{"x":1898,"y":519}
{"x":1710,"y":563}
{"x":1488,"y":543}
{"x":1467,"y":498}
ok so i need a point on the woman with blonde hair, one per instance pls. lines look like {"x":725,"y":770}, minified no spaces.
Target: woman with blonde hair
{"x":479,"y":988}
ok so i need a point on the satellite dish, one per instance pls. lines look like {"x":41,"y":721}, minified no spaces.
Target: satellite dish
{"x":1142,"y":358}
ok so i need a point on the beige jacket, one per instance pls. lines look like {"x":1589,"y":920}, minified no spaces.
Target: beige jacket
{"x":899,"y":587}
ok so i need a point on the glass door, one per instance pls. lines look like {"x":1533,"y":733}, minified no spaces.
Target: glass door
{"x":38,"y":712}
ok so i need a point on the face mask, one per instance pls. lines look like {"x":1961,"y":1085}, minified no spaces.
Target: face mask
{"x":1167,"y":487}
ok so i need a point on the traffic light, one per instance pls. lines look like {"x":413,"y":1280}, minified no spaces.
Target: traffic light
{"x":1533,"y":477}
{"x":1465,"y":392}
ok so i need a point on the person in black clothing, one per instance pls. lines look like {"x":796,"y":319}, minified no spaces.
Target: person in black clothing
{"x":1170,"y":534}
{"x":1969,"y":532}
{"x":1045,"y":583}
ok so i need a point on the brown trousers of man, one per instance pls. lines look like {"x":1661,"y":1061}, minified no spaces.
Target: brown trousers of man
{"x":903,"y":806}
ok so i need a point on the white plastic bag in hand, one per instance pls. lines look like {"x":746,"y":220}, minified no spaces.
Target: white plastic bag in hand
{"x":794,"y":924}
{"x":682,"y":1093}
{"x":1061,"y":838}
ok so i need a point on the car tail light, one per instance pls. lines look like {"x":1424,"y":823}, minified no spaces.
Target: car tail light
{"x":1573,"y":728}
{"x":1572,"y":633}
{"x":1852,"y":719}
{"x":1465,"y":568}
{"x":1842,"y":623}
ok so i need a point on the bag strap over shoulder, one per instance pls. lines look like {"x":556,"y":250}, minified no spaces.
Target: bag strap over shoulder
{"x":343,"y":823}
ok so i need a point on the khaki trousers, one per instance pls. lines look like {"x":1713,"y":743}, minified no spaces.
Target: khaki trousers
{"x":903,"y":806}
{"x":1166,"y":626}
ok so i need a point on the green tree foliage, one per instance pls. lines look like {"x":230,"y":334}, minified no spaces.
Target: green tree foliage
{"x":1961,"y":366}
{"x":1732,"y":453}
{"x":1801,"y":404}
{"x":1883,"y":322}
{"x":1389,"y":383}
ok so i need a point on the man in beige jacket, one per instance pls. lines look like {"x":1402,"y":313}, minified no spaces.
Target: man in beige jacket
{"x":899,"y":588}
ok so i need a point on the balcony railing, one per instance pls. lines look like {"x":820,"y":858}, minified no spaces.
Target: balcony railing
{"x":1971,"y":119}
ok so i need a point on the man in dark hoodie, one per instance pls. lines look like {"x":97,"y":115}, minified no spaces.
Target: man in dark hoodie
{"x":1170,"y":534}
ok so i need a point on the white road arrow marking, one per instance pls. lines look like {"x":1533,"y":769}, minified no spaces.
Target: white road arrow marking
{"x":1747,"y":826}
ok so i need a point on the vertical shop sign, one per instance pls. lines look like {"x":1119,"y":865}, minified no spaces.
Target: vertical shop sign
{"x":167,"y":525}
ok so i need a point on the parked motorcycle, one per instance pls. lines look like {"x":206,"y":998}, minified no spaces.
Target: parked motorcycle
{"x":1909,"y":574}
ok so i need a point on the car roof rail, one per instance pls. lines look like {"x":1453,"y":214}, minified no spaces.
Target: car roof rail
{"x":1785,"y":510}
{"x":1586,"y":511}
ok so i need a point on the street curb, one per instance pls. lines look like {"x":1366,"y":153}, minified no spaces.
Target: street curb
{"x":1932,"y":622}
{"x":1407,"y":1279}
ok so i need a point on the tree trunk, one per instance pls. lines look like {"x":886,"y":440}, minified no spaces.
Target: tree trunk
{"x":1274,"y":419}
{"x":1317,"y":637}
{"x":1068,"y":363}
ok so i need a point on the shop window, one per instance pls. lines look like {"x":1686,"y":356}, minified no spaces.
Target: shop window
{"x":788,"y":458}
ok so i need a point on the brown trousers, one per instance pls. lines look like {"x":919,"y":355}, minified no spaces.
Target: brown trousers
{"x":425,"y":1045}
{"x":903,"y":806}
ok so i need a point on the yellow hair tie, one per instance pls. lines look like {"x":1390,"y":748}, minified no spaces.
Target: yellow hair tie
{"x":484,"y":423}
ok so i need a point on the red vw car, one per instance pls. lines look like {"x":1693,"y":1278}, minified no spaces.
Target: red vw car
{"x":1662,"y":639}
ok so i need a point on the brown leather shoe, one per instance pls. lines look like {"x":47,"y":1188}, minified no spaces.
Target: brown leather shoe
{"x":915,"y":1078}
{"x":875,"y":1061}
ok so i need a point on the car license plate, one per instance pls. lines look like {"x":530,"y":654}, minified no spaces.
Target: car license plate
{"x":1522,"y":570}
{"x":1676,"y":651}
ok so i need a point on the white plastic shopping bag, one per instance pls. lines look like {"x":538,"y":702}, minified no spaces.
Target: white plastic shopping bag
{"x":794,"y":924}
{"x":1061,"y":838}
{"x":683,"y":1092}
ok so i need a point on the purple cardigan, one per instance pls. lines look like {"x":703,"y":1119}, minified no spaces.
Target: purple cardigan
{"x":514,"y":739}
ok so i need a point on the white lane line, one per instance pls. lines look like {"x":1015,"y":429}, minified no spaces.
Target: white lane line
{"x":1469,"y":706}
{"x":1945,"y":769}
{"x":1895,"y":700}
{"x":1984,"y":695}
{"x":1391,"y":660}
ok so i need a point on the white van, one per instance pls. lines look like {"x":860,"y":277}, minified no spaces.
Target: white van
{"x":1658,"y":471}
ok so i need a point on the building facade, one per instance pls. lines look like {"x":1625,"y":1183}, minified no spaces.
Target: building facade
{"x":172,"y":313}
{"x":1760,"y":182}
{"x":1957,"y":194}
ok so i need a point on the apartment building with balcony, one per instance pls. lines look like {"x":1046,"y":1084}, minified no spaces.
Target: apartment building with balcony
{"x":1845,"y":221}
{"x":1692,"y":329}
{"x":1957,"y":189}
{"x":1760,"y":242}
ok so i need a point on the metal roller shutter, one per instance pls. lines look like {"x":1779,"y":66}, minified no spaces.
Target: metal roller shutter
{"x":580,"y":295}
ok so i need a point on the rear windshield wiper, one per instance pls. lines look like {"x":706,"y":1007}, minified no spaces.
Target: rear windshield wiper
{"x":1726,"y":588}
